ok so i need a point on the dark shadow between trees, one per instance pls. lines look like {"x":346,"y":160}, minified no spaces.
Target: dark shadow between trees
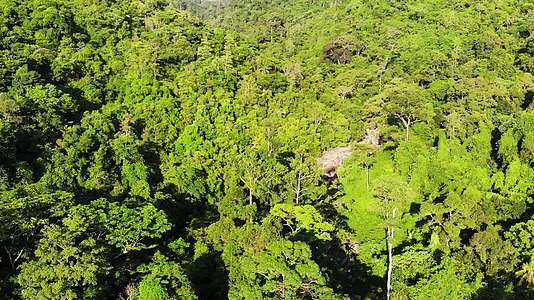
{"x":209,"y":277}
{"x":339,"y":261}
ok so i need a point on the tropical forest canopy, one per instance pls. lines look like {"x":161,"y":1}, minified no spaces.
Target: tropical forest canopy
{"x":157,"y":149}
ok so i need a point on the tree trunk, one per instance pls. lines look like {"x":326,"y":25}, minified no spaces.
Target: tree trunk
{"x":13,"y":261}
{"x":407,"y":123}
{"x":367,"y":177}
{"x":247,"y":185}
{"x":297,"y":192}
{"x":390,"y":234}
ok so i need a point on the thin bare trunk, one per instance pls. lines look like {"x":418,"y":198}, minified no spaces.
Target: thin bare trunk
{"x":13,"y":261}
{"x":390,"y":234}
{"x":297,"y":192}
{"x":247,"y":185}
{"x":407,"y":122}
{"x":367,"y":176}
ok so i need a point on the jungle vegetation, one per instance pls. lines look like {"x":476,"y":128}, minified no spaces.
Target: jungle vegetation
{"x":168,"y":149}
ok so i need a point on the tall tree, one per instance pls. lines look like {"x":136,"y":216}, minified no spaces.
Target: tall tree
{"x":405,"y":101}
{"x":394,"y":199}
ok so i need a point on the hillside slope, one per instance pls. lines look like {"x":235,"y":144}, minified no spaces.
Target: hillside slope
{"x":169,"y":149}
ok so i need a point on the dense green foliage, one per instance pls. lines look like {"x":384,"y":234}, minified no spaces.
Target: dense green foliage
{"x":156,"y":149}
